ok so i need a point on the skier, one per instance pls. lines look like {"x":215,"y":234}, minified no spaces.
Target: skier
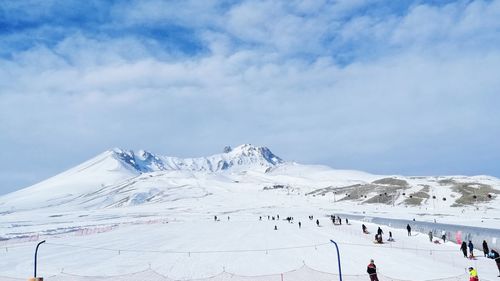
{"x":300,"y":224}
{"x":372,"y":271}
{"x":430,"y":236}
{"x":340,"y":220}
{"x":278,"y":216}
{"x":463,"y":247}
{"x":260,"y":218}
{"x":408,"y":228}
{"x":390,"y":237}
{"x":228,"y":218}
{"x":495,"y":256}
{"x":346,"y":221}
{"x":473,"y":274}
{"x":364,"y":228}
{"x":443,"y":236}
{"x":275,"y":227}
{"x":215,"y":218}
{"x":486,"y":250}
{"x":379,"y":231}
{"x":471,"y":249}
{"x":317,"y":222}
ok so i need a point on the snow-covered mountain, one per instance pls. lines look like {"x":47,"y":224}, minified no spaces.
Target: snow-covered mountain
{"x":120,"y":178}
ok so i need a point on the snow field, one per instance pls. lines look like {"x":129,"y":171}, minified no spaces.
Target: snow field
{"x":243,"y":245}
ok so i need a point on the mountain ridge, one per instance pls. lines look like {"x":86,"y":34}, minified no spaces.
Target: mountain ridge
{"x":242,"y":155}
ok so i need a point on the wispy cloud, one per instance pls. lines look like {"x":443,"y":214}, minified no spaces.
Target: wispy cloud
{"x":386,"y":87}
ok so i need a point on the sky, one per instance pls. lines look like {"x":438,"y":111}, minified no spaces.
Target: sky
{"x":387,"y":87}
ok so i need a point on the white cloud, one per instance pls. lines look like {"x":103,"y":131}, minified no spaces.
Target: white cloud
{"x":270,"y":77}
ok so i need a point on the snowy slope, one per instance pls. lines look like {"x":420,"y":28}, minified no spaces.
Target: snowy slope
{"x":120,"y":178}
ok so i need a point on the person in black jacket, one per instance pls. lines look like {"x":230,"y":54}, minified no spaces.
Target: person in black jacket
{"x":463,"y":247}
{"x":379,"y":231}
{"x":496,"y":256}
{"x":408,"y":227}
{"x":372,"y":271}
{"x":471,"y":249}
{"x":486,"y":250}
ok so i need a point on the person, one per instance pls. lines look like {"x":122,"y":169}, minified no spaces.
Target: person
{"x":495,"y":256}
{"x":379,"y":231}
{"x":228,"y":218}
{"x":372,"y":271}
{"x":340,"y":220}
{"x":463,"y":247}
{"x":408,"y":228}
{"x":471,"y":249}
{"x":215,"y":218}
{"x":300,"y":224}
{"x":275,"y":227}
{"x":486,"y":250}
{"x":346,"y":221}
{"x":364,"y":228}
{"x":390,"y":237}
{"x":317,"y":222}
{"x":260,"y":218}
{"x":278,"y":217}
{"x":430,"y":236}
{"x":443,"y":236}
{"x":473,"y":274}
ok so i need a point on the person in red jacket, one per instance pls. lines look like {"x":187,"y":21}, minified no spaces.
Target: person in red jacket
{"x":372,"y":271}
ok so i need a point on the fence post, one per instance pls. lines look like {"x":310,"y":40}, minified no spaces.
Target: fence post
{"x":338,"y":258}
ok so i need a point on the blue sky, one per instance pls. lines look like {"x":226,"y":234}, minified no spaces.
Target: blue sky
{"x":390,"y":87}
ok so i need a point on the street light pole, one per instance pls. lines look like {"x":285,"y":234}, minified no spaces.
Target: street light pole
{"x":36,"y":253}
{"x":338,"y":257}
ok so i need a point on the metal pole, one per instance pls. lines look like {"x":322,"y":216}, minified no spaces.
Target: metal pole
{"x":338,"y":257}
{"x":36,"y":253}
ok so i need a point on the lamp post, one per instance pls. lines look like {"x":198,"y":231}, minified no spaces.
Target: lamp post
{"x":36,"y":254}
{"x":338,"y":258}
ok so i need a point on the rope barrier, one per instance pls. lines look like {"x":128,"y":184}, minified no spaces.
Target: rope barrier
{"x":266,"y":250}
{"x":188,"y":252}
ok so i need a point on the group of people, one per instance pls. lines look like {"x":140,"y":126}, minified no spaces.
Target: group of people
{"x":464,"y":246}
{"x":218,"y":219}
{"x":371,"y":269}
{"x":378,"y":235}
{"x":337,"y":220}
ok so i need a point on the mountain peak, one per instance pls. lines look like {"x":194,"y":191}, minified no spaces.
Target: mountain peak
{"x":248,"y":150}
{"x":244,"y":155}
